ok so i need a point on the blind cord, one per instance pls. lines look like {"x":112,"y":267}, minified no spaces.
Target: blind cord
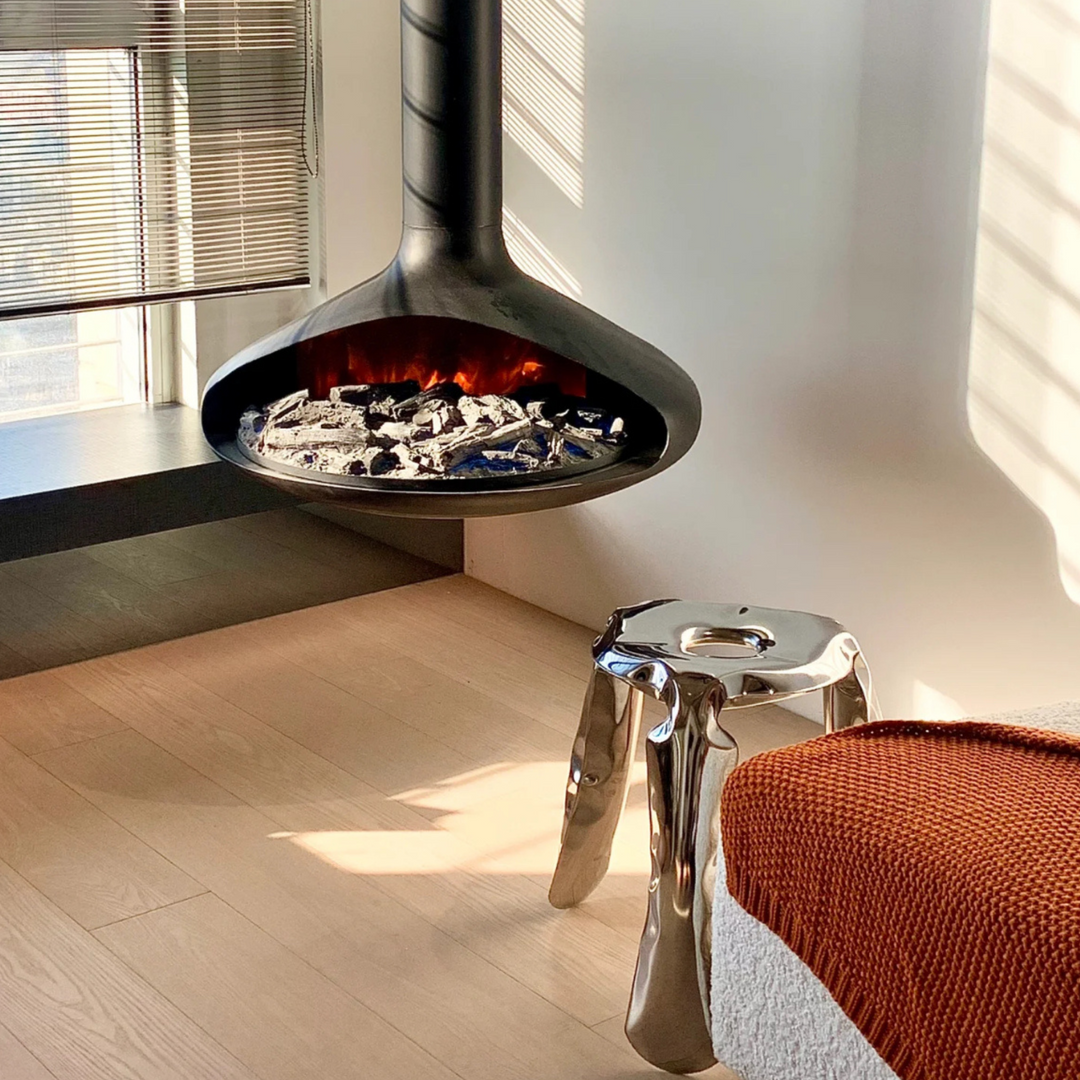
{"x":309,"y":84}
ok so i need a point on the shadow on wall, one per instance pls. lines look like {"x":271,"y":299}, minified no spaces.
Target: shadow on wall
{"x":1024,"y":388}
{"x":942,"y":567}
{"x":544,"y":87}
{"x":544,"y":116}
{"x":782,"y":197}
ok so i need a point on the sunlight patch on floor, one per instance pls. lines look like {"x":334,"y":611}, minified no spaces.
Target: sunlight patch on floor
{"x":501,"y":819}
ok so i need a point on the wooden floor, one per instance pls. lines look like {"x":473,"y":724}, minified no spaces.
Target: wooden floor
{"x":314,"y":846}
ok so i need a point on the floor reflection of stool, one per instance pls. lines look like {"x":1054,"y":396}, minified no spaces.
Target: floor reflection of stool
{"x":700,"y":659}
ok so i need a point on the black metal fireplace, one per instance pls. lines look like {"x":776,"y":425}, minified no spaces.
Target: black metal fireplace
{"x":451,"y":384}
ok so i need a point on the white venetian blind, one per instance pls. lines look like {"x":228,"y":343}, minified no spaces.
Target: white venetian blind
{"x":152,"y":150}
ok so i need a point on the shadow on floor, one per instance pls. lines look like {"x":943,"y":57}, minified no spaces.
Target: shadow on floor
{"x":73,"y":605}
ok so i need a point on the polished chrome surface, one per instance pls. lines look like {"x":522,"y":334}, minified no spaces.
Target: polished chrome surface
{"x":700,"y":659}
{"x":600,"y":765}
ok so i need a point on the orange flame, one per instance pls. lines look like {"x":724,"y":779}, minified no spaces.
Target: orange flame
{"x":431,"y":350}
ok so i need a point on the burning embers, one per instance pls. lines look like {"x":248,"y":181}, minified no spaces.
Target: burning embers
{"x":398,"y":431}
{"x":432,"y":398}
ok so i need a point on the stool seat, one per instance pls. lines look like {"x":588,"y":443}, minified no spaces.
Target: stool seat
{"x":699,"y":659}
{"x":757,"y":655}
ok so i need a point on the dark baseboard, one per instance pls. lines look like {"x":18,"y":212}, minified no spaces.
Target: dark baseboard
{"x":97,"y":513}
{"x":441,"y":542}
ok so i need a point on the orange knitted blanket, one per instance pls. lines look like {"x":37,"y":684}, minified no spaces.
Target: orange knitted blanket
{"x":929,"y":875}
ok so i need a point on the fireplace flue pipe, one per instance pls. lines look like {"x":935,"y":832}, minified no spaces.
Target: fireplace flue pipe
{"x":451,"y":79}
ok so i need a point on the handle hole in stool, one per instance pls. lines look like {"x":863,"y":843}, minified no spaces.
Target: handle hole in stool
{"x":724,"y":643}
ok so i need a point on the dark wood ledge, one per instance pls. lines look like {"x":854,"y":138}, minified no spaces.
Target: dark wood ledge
{"x":86,"y":478}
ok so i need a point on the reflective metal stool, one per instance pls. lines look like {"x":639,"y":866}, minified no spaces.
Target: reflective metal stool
{"x":700,"y":659}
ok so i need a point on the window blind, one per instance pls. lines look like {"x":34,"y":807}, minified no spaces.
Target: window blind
{"x":152,"y":150}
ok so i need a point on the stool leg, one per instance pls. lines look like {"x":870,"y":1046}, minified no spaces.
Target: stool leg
{"x":600,"y":765}
{"x":847,"y":701}
{"x":689,"y":756}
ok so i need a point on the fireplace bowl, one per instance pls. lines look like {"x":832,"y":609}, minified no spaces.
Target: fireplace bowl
{"x":451,"y":384}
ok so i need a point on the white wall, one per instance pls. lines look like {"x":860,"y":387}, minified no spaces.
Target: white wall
{"x":225,"y":325}
{"x":781,"y":196}
{"x":361,"y":47}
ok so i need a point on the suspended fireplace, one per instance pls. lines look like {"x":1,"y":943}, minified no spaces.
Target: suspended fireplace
{"x":451,"y":384}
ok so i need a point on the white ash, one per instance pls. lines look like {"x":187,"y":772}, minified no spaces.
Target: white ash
{"x":397,"y":431}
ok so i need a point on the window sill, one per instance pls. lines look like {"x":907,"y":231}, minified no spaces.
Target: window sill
{"x":90,"y":477}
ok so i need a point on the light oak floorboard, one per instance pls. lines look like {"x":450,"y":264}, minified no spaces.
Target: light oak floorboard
{"x":462,"y":1009}
{"x":479,"y":900}
{"x":81,"y":1012}
{"x":570,"y":959}
{"x":296,"y":788}
{"x":70,"y":605}
{"x":228,"y":597}
{"x":340,"y":562}
{"x":357,"y":637}
{"x":40,"y":712}
{"x":12,"y":663}
{"x":89,"y":866}
{"x":337,"y":548}
{"x":512,"y":676}
{"x":124,"y":611}
{"x":251,"y":550}
{"x":464,"y":601}
{"x":469,"y":720}
{"x":478,"y":726}
{"x":361,"y":738}
{"x":153,"y":562}
{"x":266,"y":1006}
{"x":39,"y":629}
{"x":17,"y":1063}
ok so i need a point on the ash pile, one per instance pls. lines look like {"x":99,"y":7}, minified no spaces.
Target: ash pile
{"x":398,"y":431}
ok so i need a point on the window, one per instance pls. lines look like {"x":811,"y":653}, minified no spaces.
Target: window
{"x":75,"y":360}
{"x":53,"y":185}
{"x":151,"y":153}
